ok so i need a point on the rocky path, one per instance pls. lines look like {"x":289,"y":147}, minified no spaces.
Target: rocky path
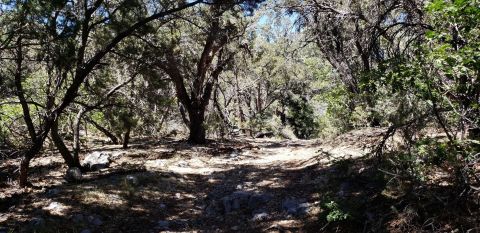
{"x":237,"y":186}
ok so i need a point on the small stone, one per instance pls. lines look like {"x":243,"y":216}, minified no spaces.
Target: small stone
{"x":54,"y":205}
{"x":78,"y":218}
{"x":163,"y":225}
{"x":177,"y":195}
{"x":56,"y":208}
{"x":182,"y":164}
{"x":303,"y":209}
{"x":73,"y":174}
{"x":235,"y":228}
{"x":260,"y":216}
{"x":131,"y":180}
{"x":53,"y":192}
{"x":162,"y":206}
{"x":236,"y":201}
{"x":345,"y":189}
{"x":95,"y":220}
{"x":37,"y":222}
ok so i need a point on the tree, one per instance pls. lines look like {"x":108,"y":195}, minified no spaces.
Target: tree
{"x":194,"y":51}
{"x":38,"y":23}
{"x":356,"y":36}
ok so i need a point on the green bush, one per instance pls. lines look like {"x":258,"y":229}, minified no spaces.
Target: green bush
{"x":301,"y":117}
{"x":335,"y":214}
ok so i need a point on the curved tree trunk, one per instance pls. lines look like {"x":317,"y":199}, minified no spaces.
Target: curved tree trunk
{"x":105,"y":131}
{"x":70,"y":160}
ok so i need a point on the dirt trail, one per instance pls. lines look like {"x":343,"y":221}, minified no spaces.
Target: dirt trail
{"x":237,"y":186}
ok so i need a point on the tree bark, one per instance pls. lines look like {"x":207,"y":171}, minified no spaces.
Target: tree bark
{"x":197,"y":128}
{"x":76,"y":133}
{"x":126,"y":138}
{"x":105,"y":131}
{"x":70,"y":160}
{"x":27,"y":157}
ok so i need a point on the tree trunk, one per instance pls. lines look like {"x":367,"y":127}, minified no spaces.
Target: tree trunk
{"x":105,"y":131}
{"x":197,"y":128}
{"x":76,"y":133}
{"x":70,"y":160}
{"x":25,"y":163}
{"x":126,"y":138}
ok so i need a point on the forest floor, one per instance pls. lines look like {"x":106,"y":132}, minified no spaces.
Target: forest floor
{"x":241,"y":185}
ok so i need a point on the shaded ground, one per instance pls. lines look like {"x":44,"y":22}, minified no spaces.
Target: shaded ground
{"x":180,"y":188}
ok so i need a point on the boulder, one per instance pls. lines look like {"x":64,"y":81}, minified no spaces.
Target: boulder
{"x":244,"y":200}
{"x":258,"y":200}
{"x":73,"y":174}
{"x":97,"y":160}
{"x":295,"y":207}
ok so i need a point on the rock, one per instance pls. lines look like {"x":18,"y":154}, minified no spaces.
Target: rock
{"x":244,"y":200}
{"x":37,"y":223}
{"x":290,"y":206}
{"x":257,"y":200}
{"x":264,"y":135}
{"x":131,"y":180}
{"x":235,"y":201}
{"x":345,"y":189}
{"x":295,"y":207}
{"x":303,"y":209}
{"x":162,"y":206}
{"x":213,"y":209}
{"x":56,"y":208}
{"x":235,"y":228}
{"x":95,"y":220}
{"x":116,"y":155}
{"x":73,"y":174}
{"x":183,"y":164}
{"x":262,"y":216}
{"x":54,"y":191}
{"x":154,"y":165}
{"x":78,"y":218}
{"x":179,"y":223}
{"x":163,"y":225}
{"x":97,"y":160}
{"x":86,"y":231}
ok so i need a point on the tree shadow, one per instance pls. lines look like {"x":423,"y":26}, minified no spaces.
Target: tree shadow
{"x":156,"y":201}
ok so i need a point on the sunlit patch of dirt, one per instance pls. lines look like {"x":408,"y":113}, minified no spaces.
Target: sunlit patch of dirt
{"x":176,"y":182}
